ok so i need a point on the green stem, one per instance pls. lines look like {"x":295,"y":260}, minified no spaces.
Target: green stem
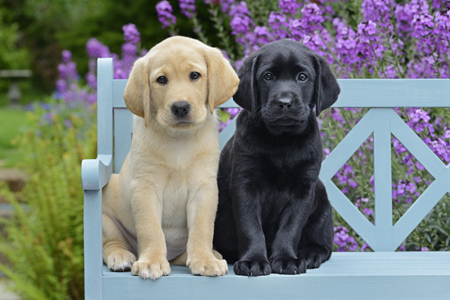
{"x":198,"y":29}
{"x":224,"y":36}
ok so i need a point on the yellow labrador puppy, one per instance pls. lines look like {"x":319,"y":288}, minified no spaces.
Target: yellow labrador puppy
{"x":166,"y":194}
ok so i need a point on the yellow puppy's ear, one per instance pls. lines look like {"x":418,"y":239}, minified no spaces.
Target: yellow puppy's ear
{"x":137,"y":90}
{"x":222,"y":79}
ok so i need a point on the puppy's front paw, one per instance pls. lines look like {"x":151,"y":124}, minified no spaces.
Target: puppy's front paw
{"x":289,"y":266}
{"x":153,"y":268}
{"x":120,"y":260}
{"x":208,"y":267}
{"x":252,"y":268}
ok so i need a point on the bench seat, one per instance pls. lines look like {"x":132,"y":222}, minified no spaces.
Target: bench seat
{"x":359,"y":275}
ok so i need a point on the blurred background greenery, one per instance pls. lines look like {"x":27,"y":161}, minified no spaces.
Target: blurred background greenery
{"x":34,"y":32}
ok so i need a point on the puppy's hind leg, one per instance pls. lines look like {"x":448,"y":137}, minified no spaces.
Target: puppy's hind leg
{"x":316,"y":243}
{"x":116,"y":249}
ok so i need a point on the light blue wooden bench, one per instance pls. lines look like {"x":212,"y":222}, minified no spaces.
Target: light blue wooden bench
{"x":383,"y":274}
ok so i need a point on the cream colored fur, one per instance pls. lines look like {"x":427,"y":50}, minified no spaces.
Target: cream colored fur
{"x":166,"y":191}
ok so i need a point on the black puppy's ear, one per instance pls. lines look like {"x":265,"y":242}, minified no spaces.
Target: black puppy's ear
{"x":246,"y":93}
{"x":326,"y":87}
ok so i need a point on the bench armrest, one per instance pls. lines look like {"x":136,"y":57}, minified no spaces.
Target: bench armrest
{"x":95,"y":173}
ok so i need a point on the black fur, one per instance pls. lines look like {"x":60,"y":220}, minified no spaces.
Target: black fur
{"x":274,"y":214}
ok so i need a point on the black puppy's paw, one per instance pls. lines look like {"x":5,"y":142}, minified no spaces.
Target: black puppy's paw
{"x":252,"y":268}
{"x":289,"y":266}
{"x":314,"y":257}
{"x":314,"y":260}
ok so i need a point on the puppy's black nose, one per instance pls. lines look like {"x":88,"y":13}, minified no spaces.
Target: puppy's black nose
{"x":284,"y":103}
{"x":181,"y":108}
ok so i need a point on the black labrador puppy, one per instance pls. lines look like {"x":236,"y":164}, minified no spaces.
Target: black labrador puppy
{"x":274,"y":214}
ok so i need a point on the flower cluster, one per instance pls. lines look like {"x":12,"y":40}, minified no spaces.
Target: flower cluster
{"x":67,"y":84}
{"x":68,"y":87}
{"x":165,"y":14}
{"x":187,"y":7}
{"x":343,"y":240}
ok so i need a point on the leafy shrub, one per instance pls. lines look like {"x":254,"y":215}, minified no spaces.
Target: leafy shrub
{"x":44,"y":242}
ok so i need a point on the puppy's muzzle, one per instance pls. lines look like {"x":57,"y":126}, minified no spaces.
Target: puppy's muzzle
{"x":284,"y":104}
{"x":180,"y":109}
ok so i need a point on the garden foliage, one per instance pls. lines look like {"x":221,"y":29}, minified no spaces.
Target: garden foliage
{"x":44,"y":242}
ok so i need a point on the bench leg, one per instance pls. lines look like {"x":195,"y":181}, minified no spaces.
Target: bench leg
{"x":93,"y":261}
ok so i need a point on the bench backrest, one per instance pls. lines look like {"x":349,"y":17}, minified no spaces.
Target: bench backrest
{"x":380,"y":95}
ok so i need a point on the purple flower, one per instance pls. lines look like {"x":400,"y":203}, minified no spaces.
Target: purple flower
{"x":91,"y":80}
{"x":239,"y":8}
{"x":61,"y":85}
{"x":289,"y":6}
{"x":95,"y":49}
{"x":165,"y":16}
{"x":377,"y":11}
{"x":364,"y":247}
{"x":343,"y":240}
{"x":262,"y":35}
{"x":368,"y":211}
{"x":225,"y":4}
{"x":131,"y":34}
{"x":187,"y":7}
{"x":129,"y":49}
{"x":66,"y":56}
{"x":367,"y":32}
{"x":277,"y":22}
{"x":233,"y":112}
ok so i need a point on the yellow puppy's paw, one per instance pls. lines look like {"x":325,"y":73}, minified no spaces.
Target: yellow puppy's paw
{"x":120,"y":260}
{"x":208,"y":267}
{"x":153,"y":269}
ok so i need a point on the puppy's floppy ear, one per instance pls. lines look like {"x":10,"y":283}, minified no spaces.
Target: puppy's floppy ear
{"x":222,"y":79}
{"x":326,"y":87}
{"x":137,"y":90}
{"x":246,"y":94}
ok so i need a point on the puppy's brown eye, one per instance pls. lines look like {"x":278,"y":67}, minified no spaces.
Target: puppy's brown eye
{"x":194,"y":75}
{"x":268,"y":76}
{"x":302,"y":77}
{"x":162,"y":79}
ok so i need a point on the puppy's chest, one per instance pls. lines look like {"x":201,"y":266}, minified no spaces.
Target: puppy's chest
{"x":175,"y":194}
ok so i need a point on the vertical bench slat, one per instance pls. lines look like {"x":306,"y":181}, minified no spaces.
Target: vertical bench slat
{"x":123,"y":129}
{"x":227,"y":133}
{"x":118,"y":89}
{"x":383,"y":180}
{"x":93,"y":261}
{"x":105,"y":71}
